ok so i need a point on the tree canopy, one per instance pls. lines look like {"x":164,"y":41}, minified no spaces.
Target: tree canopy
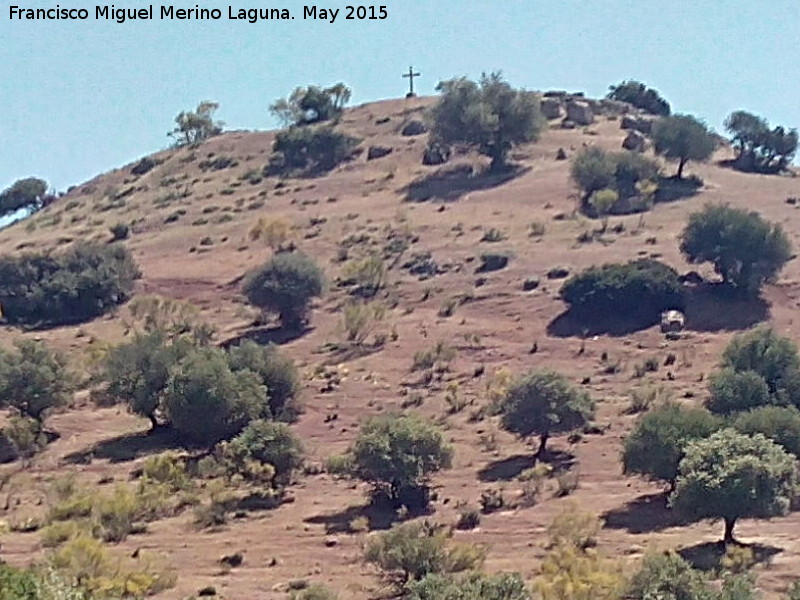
{"x":639,"y":95}
{"x":544,"y":403}
{"x":683,"y":138}
{"x":488,"y":114}
{"x":730,"y":476}
{"x":29,"y":193}
{"x":310,"y":150}
{"x":195,"y":127}
{"x":759,"y":148}
{"x":747,"y":251}
{"x":312,"y":104}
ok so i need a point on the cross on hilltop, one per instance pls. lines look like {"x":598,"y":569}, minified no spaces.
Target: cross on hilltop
{"x":410,"y":75}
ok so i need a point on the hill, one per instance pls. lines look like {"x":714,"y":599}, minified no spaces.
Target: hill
{"x":189,"y":219}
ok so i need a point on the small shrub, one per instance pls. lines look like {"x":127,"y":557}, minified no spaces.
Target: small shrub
{"x":737,"y":559}
{"x":437,"y":357}
{"x":567,"y":483}
{"x":493,"y":235}
{"x":339,"y":465}
{"x":492,"y":261}
{"x":644,"y":398}
{"x":468,"y":519}
{"x":315,"y":592}
{"x":574,"y":528}
{"x":359,"y":319}
{"x":358,"y":525}
{"x":310,"y":150}
{"x":491,"y":501}
{"x":120,"y":231}
{"x":536,"y":229}
{"x":25,"y":435}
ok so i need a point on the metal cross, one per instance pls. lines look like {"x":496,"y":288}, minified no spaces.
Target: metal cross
{"x":410,"y":75}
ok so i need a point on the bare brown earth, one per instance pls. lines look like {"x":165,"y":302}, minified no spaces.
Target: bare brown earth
{"x":370,"y":197}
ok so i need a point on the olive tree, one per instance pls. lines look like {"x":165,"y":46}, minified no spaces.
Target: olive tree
{"x":267,"y":442}
{"x":639,"y":95}
{"x":196,"y":126}
{"x":759,"y":148}
{"x":773,"y":357}
{"x":683,"y":138}
{"x":781,"y":424}
{"x":658,"y":441}
{"x":543,"y":403}
{"x":747,"y":251}
{"x":29,"y":193}
{"x":488,"y":114}
{"x":397,"y":454}
{"x":730,"y":476}
{"x":312,"y":104}
{"x":285,"y":284}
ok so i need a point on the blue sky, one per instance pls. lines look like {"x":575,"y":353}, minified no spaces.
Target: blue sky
{"x":82,"y":97}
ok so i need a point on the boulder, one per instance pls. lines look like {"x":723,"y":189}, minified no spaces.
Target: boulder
{"x":558,"y":273}
{"x":414,"y":127}
{"x":672,"y":321}
{"x":579,"y":112}
{"x":551,"y":108}
{"x":378,"y":152}
{"x":635,"y":141}
{"x":567,"y":124}
{"x":642,"y":124}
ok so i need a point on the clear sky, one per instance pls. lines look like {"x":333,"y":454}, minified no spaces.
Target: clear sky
{"x":82,"y":97}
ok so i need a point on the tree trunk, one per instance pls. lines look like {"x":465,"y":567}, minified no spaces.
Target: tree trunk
{"x":729,"y":523}
{"x":542,"y":445}
{"x":681,"y":164}
{"x":498,"y":160}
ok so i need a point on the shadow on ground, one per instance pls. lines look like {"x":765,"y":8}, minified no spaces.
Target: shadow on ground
{"x":710,"y":307}
{"x":130,"y":446}
{"x":453,"y":182}
{"x":645,"y":514}
{"x":511,"y":467}
{"x":671,"y":189}
{"x":707,"y":556}
{"x":272,"y":334}
{"x":571,"y":324}
{"x":379,"y":517}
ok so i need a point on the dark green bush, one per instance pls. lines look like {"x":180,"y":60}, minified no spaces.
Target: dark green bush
{"x":310,"y":150}
{"x":595,"y":169}
{"x":285,"y":284}
{"x":271,"y":443}
{"x":640,"y":289}
{"x":85,"y":281}
{"x":29,"y":193}
{"x":277,"y":372}
{"x":763,"y":351}
{"x":639,"y":95}
{"x":781,"y":424}
{"x":120,"y":231}
{"x":474,"y":586}
{"x":734,"y":391}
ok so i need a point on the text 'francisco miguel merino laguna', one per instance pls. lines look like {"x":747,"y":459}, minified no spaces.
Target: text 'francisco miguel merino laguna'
{"x":251,"y":15}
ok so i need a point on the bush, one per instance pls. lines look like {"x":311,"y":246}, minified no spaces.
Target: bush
{"x":195,"y":127}
{"x":277,"y":373}
{"x":468,"y":519}
{"x":315,"y":592}
{"x":730,"y":476}
{"x":310,"y":150}
{"x":85,"y":281}
{"x":639,"y":95}
{"x":270,"y":443}
{"x":120,"y":231}
{"x":398,"y":453}
{"x":544,"y":403}
{"x":778,"y":423}
{"x":759,"y":148}
{"x":595,"y":169}
{"x":746,"y":250}
{"x":206,"y":402}
{"x":34,"y":379}
{"x":137,"y":372}
{"x":658,"y":441}
{"x":683,"y":138}
{"x":24,"y":194}
{"x":493,"y":261}
{"x":667,"y":575}
{"x":474,"y":586}
{"x":306,"y":105}
{"x":734,"y":391}
{"x":25,"y":435}
{"x":762,"y":351}
{"x":488,"y":114}
{"x":359,"y":319}
{"x":574,"y":528}
{"x":285,"y":284}
{"x":640,"y":289}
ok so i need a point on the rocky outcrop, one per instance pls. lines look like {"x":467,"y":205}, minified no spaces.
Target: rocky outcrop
{"x":378,"y":152}
{"x":413,"y":128}
{"x":579,"y":112}
{"x":635,"y":141}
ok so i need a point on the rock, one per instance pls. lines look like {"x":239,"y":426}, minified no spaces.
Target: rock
{"x":551,"y":108}
{"x":672,"y":321}
{"x":562,"y":154}
{"x":331,"y":541}
{"x":414,"y":127}
{"x":531,"y":283}
{"x":635,"y":141}
{"x":232,"y":560}
{"x":435,"y":154}
{"x":579,"y":112}
{"x":378,"y":152}
{"x":692,"y":277}
{"x":628,"y":122}
{"x":382,"y":120}
{"x":642,"y":124}
{"x":557,"y":273}
{"x":566,"y":124}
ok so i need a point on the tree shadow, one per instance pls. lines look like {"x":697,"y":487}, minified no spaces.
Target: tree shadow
{"x":271,"y":334}
{"x":571,"y":323}
{"x":712,"y":307}
{"x":451,"y":183}
{"x":645,"y":514}
{"x":510,"y":468}
{"x":671,"y":189}
{"x":128,"y":447}
{"x":706,"y":556}
{"x":379,"y":517}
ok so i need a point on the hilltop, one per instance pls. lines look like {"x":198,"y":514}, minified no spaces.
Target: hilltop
{"x":190,"y":214}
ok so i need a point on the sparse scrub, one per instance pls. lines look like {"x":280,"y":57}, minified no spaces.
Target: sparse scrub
{"x":438,"y":357}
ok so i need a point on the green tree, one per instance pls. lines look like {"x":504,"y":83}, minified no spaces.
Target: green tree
{"x":683,"y":138}
{"x":488,"y":114}
{"x":763,"y":351}
{"x":137,"y":372}
{"x":639,"y":95}
{"x":759,"y":148}
{"x":312,"y":104}
{"x":593,"y":170}
{"x":747,"y":251}
{"x":195,"y":127}
{"x":285,"y":284}
{"x":397,"y":454}
{"x":667,"y":576}
{"x":473,"y":586}
{"x":543,"y":403}
{"x":310,"y":150}
{"x":206,"y":402}
{"x":602,"y":201}
{"x":781,"y":424}
{"x":277,"y":372}
{"x":29,"y":194}
{"x":34,"y":378}
{"x":730,"y":476}
{"x":271,"y":443}
{"x":733,"y":391}
{"x":657,"y":443}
